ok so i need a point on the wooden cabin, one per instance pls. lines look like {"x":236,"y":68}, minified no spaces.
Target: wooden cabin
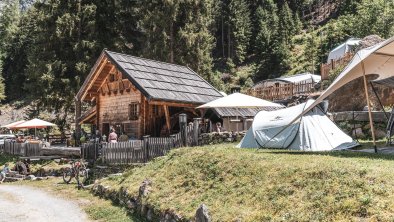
{"x":139,"y":96}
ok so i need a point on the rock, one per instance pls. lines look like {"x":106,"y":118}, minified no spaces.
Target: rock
{"x":358,"y":133}
{"x":115,"y":175}
{"x":30,"y":177}
{"x":131,"y":204}
{"x":379,"y":134}
{"x":202,"y":214}
{"x":149,"y":214}
{"x":144,"y":188}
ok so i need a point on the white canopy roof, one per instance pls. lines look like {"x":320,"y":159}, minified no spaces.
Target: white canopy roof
{"x":302,"y":77}
{"x":10,"y":125}
{"x":377,"y":59}
{"x":239,"y":100}
{"x":340,"y":50}
{"x":34,"y":123}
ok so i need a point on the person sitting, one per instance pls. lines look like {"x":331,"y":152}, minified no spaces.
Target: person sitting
{"x":113,"y":137}
{"x":6,"y":171}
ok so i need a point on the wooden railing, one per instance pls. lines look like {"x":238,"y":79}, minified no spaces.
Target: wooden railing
{"x":283,"y":91}
{"x":22,"y":149}
{"x":137,"y":151}
{"x":326,"y":68}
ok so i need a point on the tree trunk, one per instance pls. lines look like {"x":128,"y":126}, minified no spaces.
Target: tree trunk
{"x":223,"y":38}
{"x":228,"y":42}
{"x":171,"y":42}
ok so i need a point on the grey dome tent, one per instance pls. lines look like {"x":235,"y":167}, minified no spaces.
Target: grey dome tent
{"x":313,"y":131}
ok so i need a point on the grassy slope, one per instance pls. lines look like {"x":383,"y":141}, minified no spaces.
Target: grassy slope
{"x":268,"y":185}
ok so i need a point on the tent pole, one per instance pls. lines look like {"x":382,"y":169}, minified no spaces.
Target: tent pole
{"x":380,"y":102}
{"x":369,"y":107}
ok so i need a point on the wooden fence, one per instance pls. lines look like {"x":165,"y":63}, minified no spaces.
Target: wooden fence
{"x":22,"y":149}
{"x":282,"y":91}
{"x":123,"y":152}
{"x":138,"y":151}
{"x":90,"y":150}
{"x":326,"y":68}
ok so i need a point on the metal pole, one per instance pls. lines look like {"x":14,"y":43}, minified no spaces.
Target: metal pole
{"x":380,"y":102}
{"x":369,"y":107}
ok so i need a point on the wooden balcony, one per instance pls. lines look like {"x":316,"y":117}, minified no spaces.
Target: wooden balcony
{"x":326,"y":68}
{"x":283,"y":91}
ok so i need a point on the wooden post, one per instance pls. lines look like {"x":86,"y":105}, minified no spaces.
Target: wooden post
{"x":183,"y":128}
{"x":369,"y":107}
{"x":167,"y":114}
{"x":77,"y":118}
{"x":172,"y":141}
{"x":146,"y":148}
{"x":196,"y":126}
{"x":245,"y":123}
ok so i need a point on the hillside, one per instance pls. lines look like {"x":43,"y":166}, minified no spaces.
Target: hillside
{"x":267,"y":185}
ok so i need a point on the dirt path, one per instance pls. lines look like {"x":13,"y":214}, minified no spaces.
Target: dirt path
{"x":21,"y":203}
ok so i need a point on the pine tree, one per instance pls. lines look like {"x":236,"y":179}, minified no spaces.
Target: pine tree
{"x":239,"y":28}
{"x":9,"y":16}
{"x":195,"y":38}
{"x":62,"y":54}
{"x":159,"y":28}
{"x":286,"y":24}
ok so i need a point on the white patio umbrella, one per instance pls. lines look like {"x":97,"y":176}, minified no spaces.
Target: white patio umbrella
{"x":239,"y":100}
{"x":33,"y":124}
{"x":10,"y":125}
{"x":377,"y":59}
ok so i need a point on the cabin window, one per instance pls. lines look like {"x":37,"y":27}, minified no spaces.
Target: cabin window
{"x":134,"y":109}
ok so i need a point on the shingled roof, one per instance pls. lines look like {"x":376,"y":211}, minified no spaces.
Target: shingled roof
{"x":164,"y":81}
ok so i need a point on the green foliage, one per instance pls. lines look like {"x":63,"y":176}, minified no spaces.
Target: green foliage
{"x":239,"y":28}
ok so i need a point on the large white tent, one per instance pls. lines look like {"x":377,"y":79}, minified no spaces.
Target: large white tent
{"x":284,"y":129}
{"x":375,"y":60}
{"x":239,"y":100}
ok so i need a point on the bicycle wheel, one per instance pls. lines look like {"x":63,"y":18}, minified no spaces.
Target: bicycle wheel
{"x":67,"y":175}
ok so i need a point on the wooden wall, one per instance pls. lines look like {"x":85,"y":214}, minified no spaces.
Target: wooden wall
{"x":114,"y":108}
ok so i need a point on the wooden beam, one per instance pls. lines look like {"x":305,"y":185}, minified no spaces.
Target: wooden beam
{"x":111,"y":70}
{"x":96,"y":74}
{"x":97,"y":112}
{"x":163,"y":103}
{"x":167,"y":114}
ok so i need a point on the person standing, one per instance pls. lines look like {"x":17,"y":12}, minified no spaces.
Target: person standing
{"x":98,"y":136}
{"x":113,"y":137}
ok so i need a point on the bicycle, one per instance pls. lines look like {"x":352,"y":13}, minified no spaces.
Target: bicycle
{"x":78,"y":170}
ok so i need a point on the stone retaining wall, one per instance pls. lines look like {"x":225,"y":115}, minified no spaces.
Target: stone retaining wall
{"x":137,"y":204}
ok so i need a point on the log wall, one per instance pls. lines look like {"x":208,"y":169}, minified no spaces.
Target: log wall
{"x":114,"y":109}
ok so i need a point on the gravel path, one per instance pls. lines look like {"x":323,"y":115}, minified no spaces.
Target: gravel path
{"x":21,"y":203}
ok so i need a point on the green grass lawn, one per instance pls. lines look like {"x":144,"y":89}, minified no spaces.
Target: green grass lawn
{"x":268,"y":185}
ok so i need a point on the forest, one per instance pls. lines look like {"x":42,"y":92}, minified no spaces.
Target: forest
{"x":47,"y":47}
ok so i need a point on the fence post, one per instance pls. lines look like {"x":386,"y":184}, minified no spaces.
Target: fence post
{"x":196,"y":126}
{"x":183,"y":128}
{"x":172,"y":141}
{"x":146,"y":148}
